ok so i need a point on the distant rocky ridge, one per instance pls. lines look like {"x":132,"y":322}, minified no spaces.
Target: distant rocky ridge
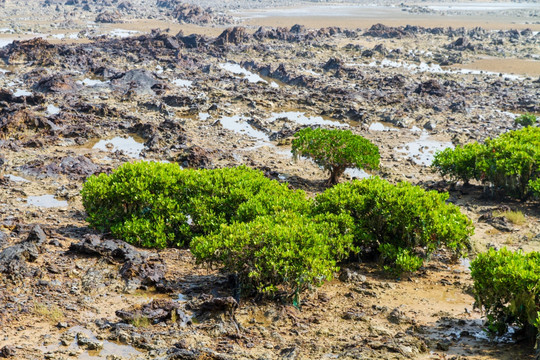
{"x":194,"y":14}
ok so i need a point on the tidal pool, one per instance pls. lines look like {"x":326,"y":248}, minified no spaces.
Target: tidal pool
{"x":251,"y":77}
{"x":45,"y":201}
{"x":422,"y":151}
{"x":239,"y":125}
{"x":131,"y":146}
{"x":303,"y":119}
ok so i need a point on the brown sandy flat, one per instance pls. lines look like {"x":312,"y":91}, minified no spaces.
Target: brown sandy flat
{"x":509,"y":66}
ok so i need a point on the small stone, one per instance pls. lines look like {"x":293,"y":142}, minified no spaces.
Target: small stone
{"x":443,"y":345}
{"x":8,"y":351}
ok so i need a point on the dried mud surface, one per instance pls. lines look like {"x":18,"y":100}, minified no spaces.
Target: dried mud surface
{"x":213,"y":96}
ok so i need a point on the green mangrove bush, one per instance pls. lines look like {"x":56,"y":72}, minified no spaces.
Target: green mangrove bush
{"x":460,"y":163}
{"x":507,"y":286}
{"x":397,"y":220}
{"x":527,"y":119}
{"x":535,"y":187}
{"x":335,"y":150}
{"x":143,"y":203}
{"x":508,"y":163}
{"x":288,"y":251}
{"x":157,"y":205}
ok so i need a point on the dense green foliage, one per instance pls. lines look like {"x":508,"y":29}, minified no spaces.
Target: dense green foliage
{"x":460,"y":163}
{"x":508,"y":162}
{"x":397,"y":219}
{"x":336,"y":150}
{"x":288,"y":249}
{"x":526,"y":120}
{"x":274,"y":238}
{"x":143,"y":203}
{"x":535,"y":187}
{"x":400,"y":260}
{"x":156,"y":205}
{"x":507,"y":285}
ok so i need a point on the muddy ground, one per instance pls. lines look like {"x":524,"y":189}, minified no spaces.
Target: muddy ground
{"x":70,"y":108}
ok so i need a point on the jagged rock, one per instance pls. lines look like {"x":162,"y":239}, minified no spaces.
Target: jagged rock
{"x":386,"y":32}
{"x":500,"y":223}
{"x":194,"y":14}
{"x":218,"y":304}
{"x":397,"y":316}
{"x":79,"y":167}
{"x":195,"y":157}
{"x":461,"y":44}
{"x":193,"y":41}
{"x":140,"y":82}
{"x":76,"y":168}
{"x":333,"y":64}
{"x":8,"y":97}
{"x":8,"y":351}
{"x":381,"y":49}
{"x":13,"y":259}
{"x":430,"y":125}
{"x":155,"y":311}
{"x":3,"y":239}
{"x":40,"y":51}
{"x":431,"y":87}
{"x":138,"y":268}
{"x":298,"y":29}
{"x":398,"y":81}
{"x":125,"y":6}
{"x":148,"y":273}
{"x":348,"y":275}
{"x":115,"y":249}
{"x":236,"y":36}
{"x":108,"y":17}
{"x":195,"y":354}
{"x":57,"y":83}
{"x":87,"y":343}
{"x":178,"y":100}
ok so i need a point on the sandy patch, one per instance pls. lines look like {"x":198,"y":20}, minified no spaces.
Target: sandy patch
{"x":512,"y":66}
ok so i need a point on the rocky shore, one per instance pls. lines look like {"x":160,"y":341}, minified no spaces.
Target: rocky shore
{"x":70,"y":109}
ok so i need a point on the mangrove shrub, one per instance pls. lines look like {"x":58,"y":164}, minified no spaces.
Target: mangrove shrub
{"x":335,"y":150}
{"x":507,"y":286}
{"x":396,"y":220}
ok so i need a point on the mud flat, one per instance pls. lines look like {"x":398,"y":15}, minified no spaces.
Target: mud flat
{"x":493,"y":16}
{"x":213,"y":96}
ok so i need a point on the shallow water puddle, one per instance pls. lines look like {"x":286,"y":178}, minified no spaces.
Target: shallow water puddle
{"x":21,"y":92}
{"x":422,"y":151}
{"x":204,"y":116}
{"x":239,"y":125}
{"x":303,"y":119}
{"x":92,"y":82}
{"x":251,"y":77}
{"x":182,"y":83}
{"x":17,"y":178}
{"x":465,"y":263}
{"x":432,"y":68}
{"x":45,"y":201}
{"x":378,"y":126}
{"x":64,"y":36}
{"x":132,"y":146}
{"x":481,"y":6}
{"x":109,"y":348}
{"x":5,"y":42}
{"x":53,"y":110}
{"x":357,"y":173}
{"x":122,"y":33}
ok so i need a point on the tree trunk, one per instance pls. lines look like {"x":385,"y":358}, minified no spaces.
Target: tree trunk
{"x":335,"y":174}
